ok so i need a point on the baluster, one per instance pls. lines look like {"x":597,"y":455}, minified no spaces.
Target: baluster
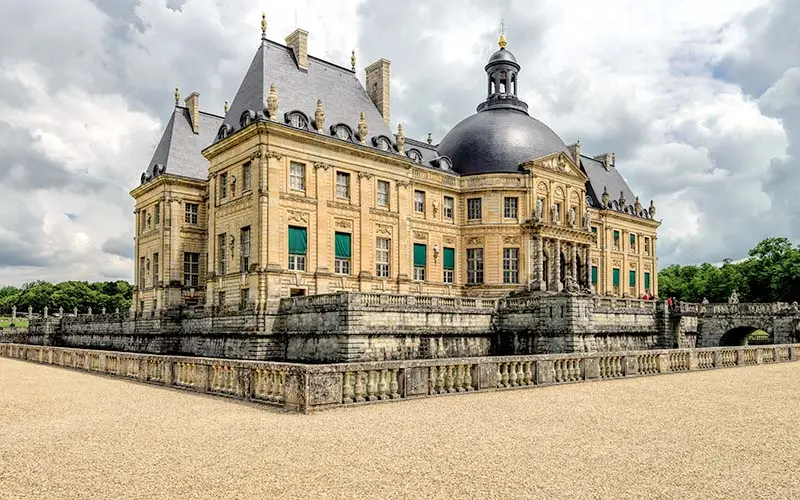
{"x":432,"y":376}
{"x":383,"y":388}
{"x":468,"y":377}
{"x":512,"y":374}
{"x":505,"y":374}
{"x":459,"y":383}
{"x":449,"y":378}
{"x":347,"y":393}
{"x":393,"y":385}
{"x":441,"y":381}
{"x":359,"y":387}
{"x":529,"y":373}
{"x":521,"y":373}
{"x":557,"y":370}
{"x":279,"y":387}
{"x":499,"y":376}
{"x":371,"y":386}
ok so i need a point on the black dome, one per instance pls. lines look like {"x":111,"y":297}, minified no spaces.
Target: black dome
{"x":502,"y":55}
{"x":498,"y":140}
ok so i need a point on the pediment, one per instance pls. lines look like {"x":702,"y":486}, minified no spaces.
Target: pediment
{"x":561,"y":163}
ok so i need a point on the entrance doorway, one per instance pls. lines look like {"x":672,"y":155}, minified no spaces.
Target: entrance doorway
{"x":297,"y":292}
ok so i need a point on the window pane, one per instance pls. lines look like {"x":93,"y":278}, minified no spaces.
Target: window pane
{"x":298,"y":240}
{"x":342,"y":245}
{"x":420,"y":255}
{"x":449,"y":258}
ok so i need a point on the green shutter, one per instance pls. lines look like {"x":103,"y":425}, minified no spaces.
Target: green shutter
{"x":420,"y":255}
{"x":633,"y":278}
{"x":342,"y":245}
{"x":647,"y":281}
{"x":298,"y":240}
{"x":594,"y":275}
{"x":616,"y":235}
{"x":616,"y":277}
{"x":449,"y":258}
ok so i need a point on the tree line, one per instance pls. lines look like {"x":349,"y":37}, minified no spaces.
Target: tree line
{"x":770,"y":273}
{"x":68,"y":295}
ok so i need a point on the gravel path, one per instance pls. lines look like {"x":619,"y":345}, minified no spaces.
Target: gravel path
{"x":719,"y":434}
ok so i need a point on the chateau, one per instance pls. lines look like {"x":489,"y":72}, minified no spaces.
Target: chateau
{"x":305,"y":187}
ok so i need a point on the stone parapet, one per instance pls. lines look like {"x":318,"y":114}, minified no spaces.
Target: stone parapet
{"x":309,"y":388}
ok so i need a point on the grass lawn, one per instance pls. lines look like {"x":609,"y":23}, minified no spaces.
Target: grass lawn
{"x":6,"y":321}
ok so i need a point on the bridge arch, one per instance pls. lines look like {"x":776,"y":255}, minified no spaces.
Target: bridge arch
{"x":745,"y":335}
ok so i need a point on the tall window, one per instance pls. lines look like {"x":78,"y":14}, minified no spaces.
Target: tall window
{"x":615,"y":280}
{"x":244,"y":298}
{"x":191,"y":269}
{"x":474,"y":209}
{"x":420,"y":261}
{"x":223,"y":186}
{"x":419,"y":201}
{"x":155,"y":269}
{"x":343,"y":253}
{"x":246,"y":178}
{"x":158,"y":214}
{"x":510,"y":207}
{"x":510,"y":266}
{"x":222,"y":261}
{"x":342,"y":185}
{"x":190,"y":214}
{"x":596,"y":238}
{"x":142,"y":272}
{"x":633,"y":242}
{"x":632,"y":282}
{"x":594,"y":275}
{"x":616,"y":240}
{"x":298,"y":245}
{"x":448,"y":264}
{"x":647,"y":282}
{"x":448,"y":207}
{"x":221,"y":300}
{"x":383,"y":194}
{"x":143,"y":221}
{"x":382,"y":257}
{"x":647,"y":246}
{"x":474,"y":266}
{"x":297,"y":176}
{"x":244,"y":250}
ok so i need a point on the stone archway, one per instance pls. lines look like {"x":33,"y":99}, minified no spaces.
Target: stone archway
{"x":745,"y":335}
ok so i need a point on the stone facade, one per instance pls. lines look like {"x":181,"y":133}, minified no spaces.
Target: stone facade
{"x":309,"y":388}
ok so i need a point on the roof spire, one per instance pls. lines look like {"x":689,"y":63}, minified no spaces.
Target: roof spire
{"x":353,"y":59}
{"x":177,"y":96}
{"x":502,"y":43}
{"x":226,"y":107}
{"x":263,"y":26}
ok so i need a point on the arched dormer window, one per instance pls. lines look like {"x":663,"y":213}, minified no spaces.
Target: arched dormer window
{"x":297,"y":119}
{"x":444,"y":163}
{"x":224,"y":131}
{"x":415,"y":155}
{"x":248,"y":117}
{"x":342,"y":131}
{"x":144,"y":177}
{"x":382,"y":142}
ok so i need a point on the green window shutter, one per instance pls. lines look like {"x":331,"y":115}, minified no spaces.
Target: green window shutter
{"x":633,"y":278}
{"x":594,"y":275}
{"x":343,"y":245}
{"x":420,"y":255}
{"x":298,"y":240}
{"x":647,"y":281}
{"x":633,"y":240}
{"x":449,"y":258}
{"x":616,"y":235}
{"x":594,"y":231}
{"x":616,"y":277}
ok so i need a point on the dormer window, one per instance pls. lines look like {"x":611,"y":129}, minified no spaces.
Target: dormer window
{"x":342,"y":131}
{"x":415,"y":155}
{"x":297,"y":119}
{"x":382,"y":143}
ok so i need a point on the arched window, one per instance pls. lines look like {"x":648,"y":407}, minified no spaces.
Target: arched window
{"x":297,"y":119}
{"x":415,"y":155}
{"x":247,"y":117}
{"x":342,"y":131}
{"x":382,"y":142}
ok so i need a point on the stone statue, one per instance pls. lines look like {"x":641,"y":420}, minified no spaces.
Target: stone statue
{"x":116,"y":311}
{"x":734,"y":298}
{"x":319,"y":116}
{"x":637,"y":206}
{"x":45,"y":311}
{"x":587,"y":220}
{"x":652,"y":209}
{"x":539,"y":208}
{"x":75,"y":311}
{"x":30,"y":312}
{"x":571,"y":286}
{"x":90,"y":311}
{"x":606,"y":197}
{"x":401,"y":138}
{"x":705,"y":301}
{"x":103,"y":311}
{"x":622,"y":200}
{"x":571,"y":216}
{"x":60,"y":312}
{"x":555,"y":213}
{"x":363,"y":130}
{"x":272,"y":103}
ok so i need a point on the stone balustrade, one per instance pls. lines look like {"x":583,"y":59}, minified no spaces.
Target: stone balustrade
{"x":742,"y":309}
{"x":316,"y":387}
{"x":385,"y":301}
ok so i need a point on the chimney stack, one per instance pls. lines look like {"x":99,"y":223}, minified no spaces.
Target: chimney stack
{"x":298,"y":42}
{"x":378,"y":86}
{"x":193,"y":104}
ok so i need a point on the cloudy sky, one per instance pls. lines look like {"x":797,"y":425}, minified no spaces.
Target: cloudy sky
{"x":699,"y":100}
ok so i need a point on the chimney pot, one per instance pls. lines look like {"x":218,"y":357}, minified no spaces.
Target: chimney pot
{"x":298,"y":42}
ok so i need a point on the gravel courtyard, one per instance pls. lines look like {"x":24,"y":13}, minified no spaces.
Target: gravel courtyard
{"x":720,"y":434}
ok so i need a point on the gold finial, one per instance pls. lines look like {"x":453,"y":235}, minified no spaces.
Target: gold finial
{"x":353,"y":60}
{"x":226,"y":107}
{"x":177,"y":96}
{"x":502,"y":43}
{"x":430,"y":138}
{"x":263,"y":26}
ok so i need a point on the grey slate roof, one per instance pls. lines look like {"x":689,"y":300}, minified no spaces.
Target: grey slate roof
{"x":601,"y":178}
{"x":179,"y":150}
{"x":343,"y":97}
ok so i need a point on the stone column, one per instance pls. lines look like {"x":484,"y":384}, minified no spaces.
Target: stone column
{"x":539,"y":265}
{"x":557,"y":266}
{"x":574,"y":258}
{"x":588,"y":253}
